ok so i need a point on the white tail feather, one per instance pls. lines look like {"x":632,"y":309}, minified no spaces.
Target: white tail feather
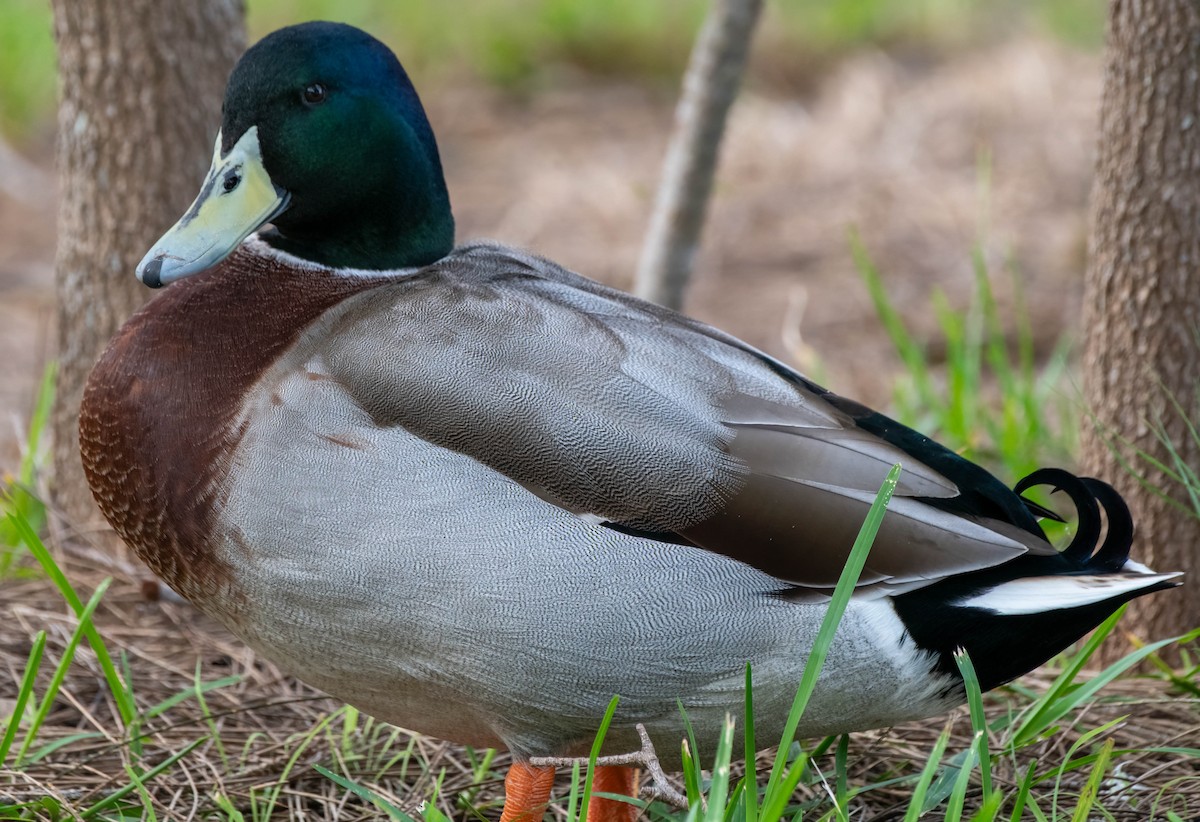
{"x":1036,"y":595}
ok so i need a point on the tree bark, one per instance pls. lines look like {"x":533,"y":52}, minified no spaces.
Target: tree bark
{"x":141,"y":83}
{"x":1142,"y":293}
{"x":709,"y":88}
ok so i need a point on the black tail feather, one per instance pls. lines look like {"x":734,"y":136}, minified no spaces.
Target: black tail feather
{"x":1111,"y":556}
{"x":1087,"y":533}
{"x":1041,"y":511}
{"x":940,"y":618}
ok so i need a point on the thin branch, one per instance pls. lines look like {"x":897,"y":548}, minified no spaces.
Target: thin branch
{"x":660,"y":786}
{"x":709,"y":88}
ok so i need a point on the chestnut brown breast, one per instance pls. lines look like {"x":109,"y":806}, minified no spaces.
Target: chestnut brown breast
{"x":157,"y":421}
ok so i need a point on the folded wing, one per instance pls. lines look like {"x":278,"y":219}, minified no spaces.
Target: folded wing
{"x":658,"y":425}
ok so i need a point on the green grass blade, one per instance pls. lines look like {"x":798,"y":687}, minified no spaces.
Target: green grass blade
{"x":837,"y":606}
{"x":1023,"y":790}
{"x":38,"y":549}
{"x":718,"y":791}
{"x":989,"y":810}
{"x":823,"y":746}
{"x":53,"y":745}
{"x":775,"y":802}
{"x":306,"y":740}
{"x":958,"y":795}
{"x":978,"y":720}
{"x":734,"y":806}
{"x":573,"y":793}
{"x":1070,"y":763}
{"x":148,"y":814}
{"x":20,"y":497}
{"x":841,"y":778}
{"x":60,"y":671}
{"x":432,"y":812}
{"x":917,"y":802}
{"x":38,"y":424}
{"x":1099,"y":770}
{"x":119,"y":794}
{"x":481,"y":769}
{"x":199,"y":689}
{"x":1084,"y":693}
{"x":750,"y":748}
{"x":363,"y":793}
{"x":134,"y":729}
{"x":943,"y":783}
{"x":1037,"y":720}
{"x":911,"y":352}
{"x":597,"y":743}
{"x":963,"y":361}
{"x":227,"y":807}
{"x":32,"y":665}
{"x":693,"y":777}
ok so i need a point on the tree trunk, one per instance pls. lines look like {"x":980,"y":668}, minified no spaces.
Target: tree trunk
{"x":1142,"y":297}
{"x":709,"y":88}
{"x":141,"y":83}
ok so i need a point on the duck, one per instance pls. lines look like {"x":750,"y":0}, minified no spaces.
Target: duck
{"x":477,"y":495}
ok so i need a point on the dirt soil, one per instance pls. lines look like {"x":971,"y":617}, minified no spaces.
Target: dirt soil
{"x":889,"y":146}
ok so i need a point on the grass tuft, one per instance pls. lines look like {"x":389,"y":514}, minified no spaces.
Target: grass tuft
{"x":990,"y":401}
{"x":19,"y":491}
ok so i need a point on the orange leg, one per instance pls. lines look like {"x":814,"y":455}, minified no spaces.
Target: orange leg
{"x":526,"y":792}
{"x":613,"y":779}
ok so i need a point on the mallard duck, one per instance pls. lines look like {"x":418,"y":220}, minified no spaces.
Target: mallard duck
{"x":476,"y":495}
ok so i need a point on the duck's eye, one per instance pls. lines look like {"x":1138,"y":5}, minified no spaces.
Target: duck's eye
{"x":314,"y":94}
{"x":231,"y":180}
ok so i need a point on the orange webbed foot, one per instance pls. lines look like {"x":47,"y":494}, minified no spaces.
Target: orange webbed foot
{"x":615,"y":779}
{"x":526,"y":792}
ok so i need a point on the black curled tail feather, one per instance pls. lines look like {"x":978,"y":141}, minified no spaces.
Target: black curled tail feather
{"x":1111,"y":556}
{"x":1006,"y":643}
{"x":1090,"y":496}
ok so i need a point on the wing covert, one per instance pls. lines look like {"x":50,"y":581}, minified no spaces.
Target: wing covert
{"x":635,"y":415}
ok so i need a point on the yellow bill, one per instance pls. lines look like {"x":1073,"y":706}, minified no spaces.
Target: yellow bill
{"x":237,"y":198}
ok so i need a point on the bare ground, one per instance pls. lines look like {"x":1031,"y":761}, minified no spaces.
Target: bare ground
{"x":888,"y":145}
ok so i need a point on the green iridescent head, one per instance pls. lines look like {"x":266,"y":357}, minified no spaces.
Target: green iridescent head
{"x":323,"y":136}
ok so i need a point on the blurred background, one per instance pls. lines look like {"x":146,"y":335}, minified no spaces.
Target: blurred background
{"x":951,"y":136}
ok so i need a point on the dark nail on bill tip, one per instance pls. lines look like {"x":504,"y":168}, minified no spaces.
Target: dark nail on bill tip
{"x":152,"y":273}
